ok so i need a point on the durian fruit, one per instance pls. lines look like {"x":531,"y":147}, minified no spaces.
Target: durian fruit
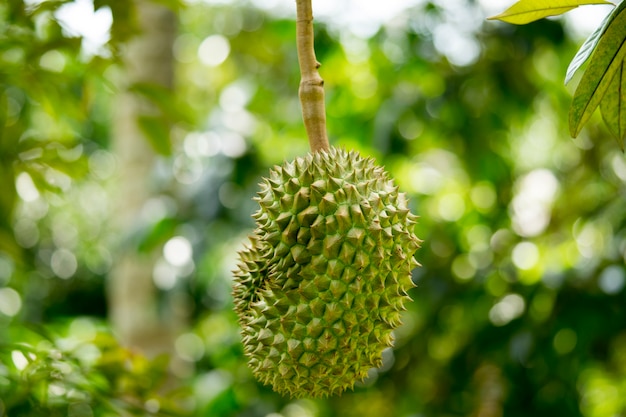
{"x":325,"y":277}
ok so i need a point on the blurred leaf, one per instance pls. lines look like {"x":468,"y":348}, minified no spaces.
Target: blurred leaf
{"x":158,"y":234}
{"x":526,"y":11}
{"x":124,"y":23}
{"x":163,"y":98}
{"x":174,"y":5}
{"x":8,"y":198}
{"x":157,"y":132}
{"x":613,"y":106}
{"x":588,"y":47}
{"x":606,"y":61}
{"x":58,"y":375}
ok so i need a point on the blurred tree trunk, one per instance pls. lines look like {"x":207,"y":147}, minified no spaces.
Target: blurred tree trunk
{"x":137,"y":318}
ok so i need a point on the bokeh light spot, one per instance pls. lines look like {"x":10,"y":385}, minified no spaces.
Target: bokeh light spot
{"x":53,"y":61}
{"x":189,"y":347}
{"x":483,"y":196}
{"x":460,"y":48}
{"x":26,"y":232}
{"x":26,"y":188}
{"x":510,"y":307}
{"x":102,"y":164}
{"x":152,"y":405}
{"x":93,"y":26}
{"x":63,"y":263}
{"x":451,"y":207}
{"x":10,"y":301}
{"x":410,"y":127}
{"x":185,"y":48}
{"x":532,"y":204}
{"x":525,"y":255}
{"x":164,"y":275}
{"x":213,"y":383}
{"x":235,"y":96}
{"x":564,"y":341}
{"x":612,"y":279}
{"x":83,"y":329}
{"x":177,"y":251}
{"x":187,"y":170}
{"x":233,"y":144}
{"x":462,"y":268}
{"x":19,"y":360}
{"x":213,"y":50}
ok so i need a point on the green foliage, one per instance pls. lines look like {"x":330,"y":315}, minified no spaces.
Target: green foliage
{"x":601,"y":84}
{"x":168,"y":112}
{"x":45,"y":99}
{"x":81,"y":373}
{"x":600,"y":76}
{"x":519,"y":304}
{"x":124,"y":24}
{"x":587,"y":48}
{"x":526,"y":11}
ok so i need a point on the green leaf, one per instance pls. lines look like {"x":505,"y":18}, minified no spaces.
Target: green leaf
{"x":124,"y":18}
{"x":163,"y":98}
{"x":589,"y":46}
{"x":157,"y":234}
{"x":526,"y":11}
{"x":613,"y":106}
{"x":157,"y":133}
{"x":605,"y":63}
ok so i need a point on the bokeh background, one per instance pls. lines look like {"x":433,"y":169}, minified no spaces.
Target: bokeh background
{"x":133,"y":135}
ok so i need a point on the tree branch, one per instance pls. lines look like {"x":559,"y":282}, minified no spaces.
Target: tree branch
{"x":311,"y":84}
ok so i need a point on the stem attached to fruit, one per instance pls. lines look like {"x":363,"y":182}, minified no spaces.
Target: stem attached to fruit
{"x":311,"y":84}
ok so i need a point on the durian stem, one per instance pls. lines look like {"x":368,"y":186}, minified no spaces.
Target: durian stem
{"x":311,"y":84}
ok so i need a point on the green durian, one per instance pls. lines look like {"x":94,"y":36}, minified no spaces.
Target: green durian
{"x":322,"y":283}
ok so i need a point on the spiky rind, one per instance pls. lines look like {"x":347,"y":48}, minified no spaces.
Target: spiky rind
{"x":323,"y":282}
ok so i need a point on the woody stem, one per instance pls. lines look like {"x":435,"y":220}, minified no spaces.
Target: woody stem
{"x":311,"y":90}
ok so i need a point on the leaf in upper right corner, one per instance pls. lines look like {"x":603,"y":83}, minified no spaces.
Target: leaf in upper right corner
{"x":606,"y":61}
{"x":613,"y":106}
{"x":589,"y":46}
{"x":526,"y":11}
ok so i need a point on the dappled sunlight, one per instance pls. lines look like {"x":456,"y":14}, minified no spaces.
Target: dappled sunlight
{"x":451,"y":207}
{"x":518,"y":303}
{"x":213,"y":50}
{"x":461,"y":49}
{"x":79,"y":19}
{"x":10,"y":302}
{"x":612,"y":279}
{"x":525,"y":255}
{"x":177,"y":251}
{"x":533,"y":201}
{"x":63,"y":263}
{"x":26,"y":188}
{"x":189,"y":347}
{"x":483,"y":196}
{"x":508,"y":308}
{"x":592,"y":238}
